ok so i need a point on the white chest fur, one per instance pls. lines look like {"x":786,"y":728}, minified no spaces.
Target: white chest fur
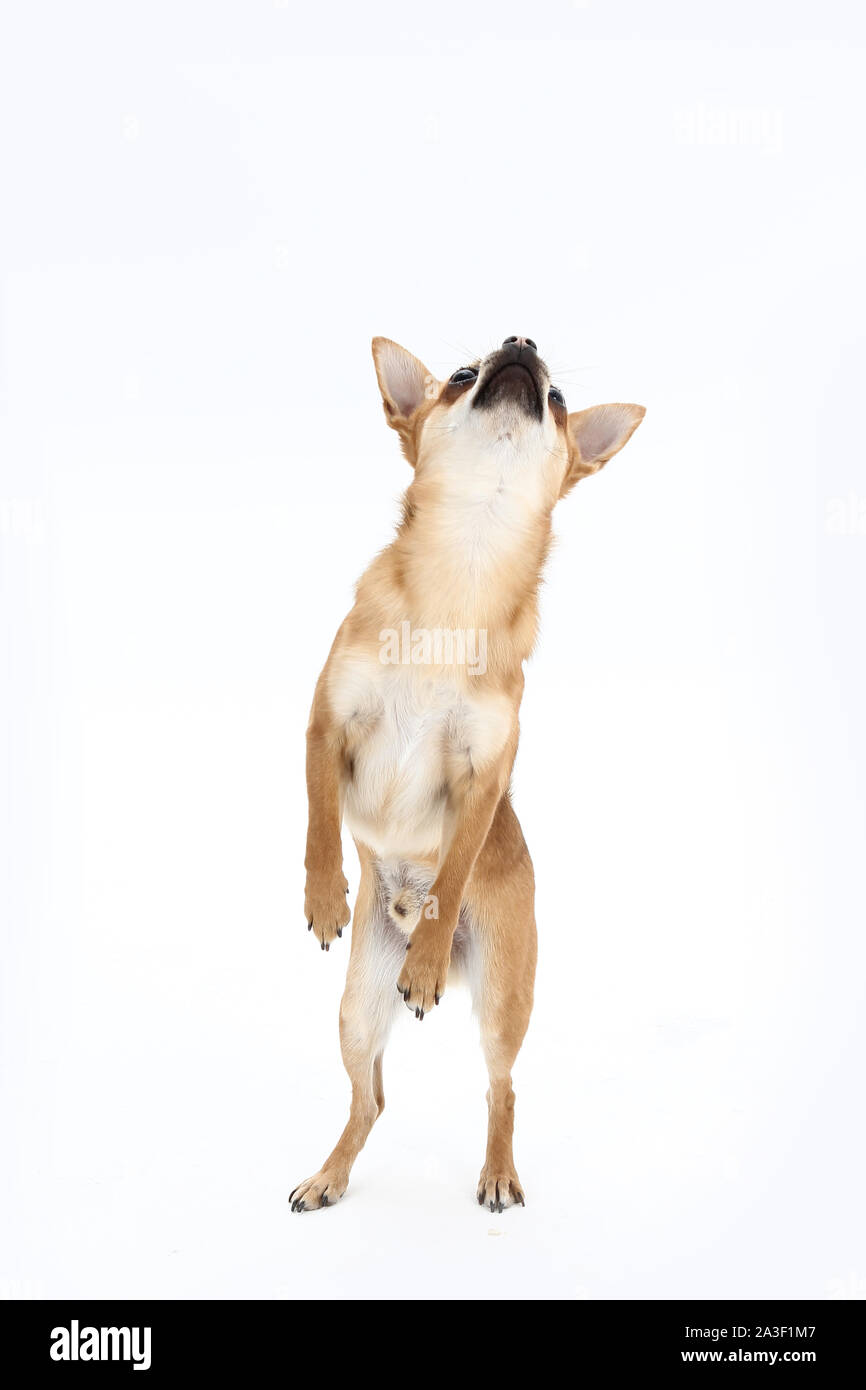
{"x":407,"y":728}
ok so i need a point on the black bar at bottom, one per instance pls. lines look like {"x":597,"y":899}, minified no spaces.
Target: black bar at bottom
{"x":167,"y":1340}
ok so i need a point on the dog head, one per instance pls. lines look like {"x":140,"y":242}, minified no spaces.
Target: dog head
{"x":495,"y":415}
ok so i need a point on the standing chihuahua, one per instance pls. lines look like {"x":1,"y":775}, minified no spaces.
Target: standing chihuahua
{"x":414,"y":727}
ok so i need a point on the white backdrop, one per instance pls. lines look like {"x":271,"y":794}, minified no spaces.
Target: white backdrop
{"x":208,"y":210}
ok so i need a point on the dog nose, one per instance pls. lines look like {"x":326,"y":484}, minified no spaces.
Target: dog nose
{"x":520,"y":343}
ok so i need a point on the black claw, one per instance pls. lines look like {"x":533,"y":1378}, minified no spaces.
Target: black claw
{"x":408,"y":945}
{"x":310,"y":925}
{"x":328,"y":946}
{"x":301,"y":1205}
{"x":324,"y":1199}
{"x":399,"y":988}
{"x":438,"y":997}
{"x":492,"y":1206}
{"x":421,"y":1015}
{"x":481,"y":1198}
{"x":347,"y":892}
{"x":520,"y":1199}
{"x":339,"y":931}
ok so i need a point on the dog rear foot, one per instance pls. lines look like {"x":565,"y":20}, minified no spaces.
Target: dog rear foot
{"x":323,"y":1190}
{"x":499,"y":1190}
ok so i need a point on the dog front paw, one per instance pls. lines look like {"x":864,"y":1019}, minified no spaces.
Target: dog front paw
{"x":422,"y":979}
{"x":325,"y":907}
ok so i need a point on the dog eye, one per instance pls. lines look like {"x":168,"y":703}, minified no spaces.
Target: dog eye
{"x":555,"y":395}
{"x":464,"y":375}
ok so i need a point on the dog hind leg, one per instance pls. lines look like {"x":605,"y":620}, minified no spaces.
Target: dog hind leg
{"x":367,"y":1011}
{"x":500,"y":908}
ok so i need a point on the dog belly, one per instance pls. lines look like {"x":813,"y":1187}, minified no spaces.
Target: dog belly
{"x":396,"y":810}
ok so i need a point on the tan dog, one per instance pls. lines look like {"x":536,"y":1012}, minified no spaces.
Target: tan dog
{"x":414,"y":727}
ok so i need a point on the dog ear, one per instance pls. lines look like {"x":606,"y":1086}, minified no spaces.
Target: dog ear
{"x":403,"y":380}
{"x":595,"y":435}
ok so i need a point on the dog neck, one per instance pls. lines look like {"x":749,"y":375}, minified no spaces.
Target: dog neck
{"x":469,"y":554}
